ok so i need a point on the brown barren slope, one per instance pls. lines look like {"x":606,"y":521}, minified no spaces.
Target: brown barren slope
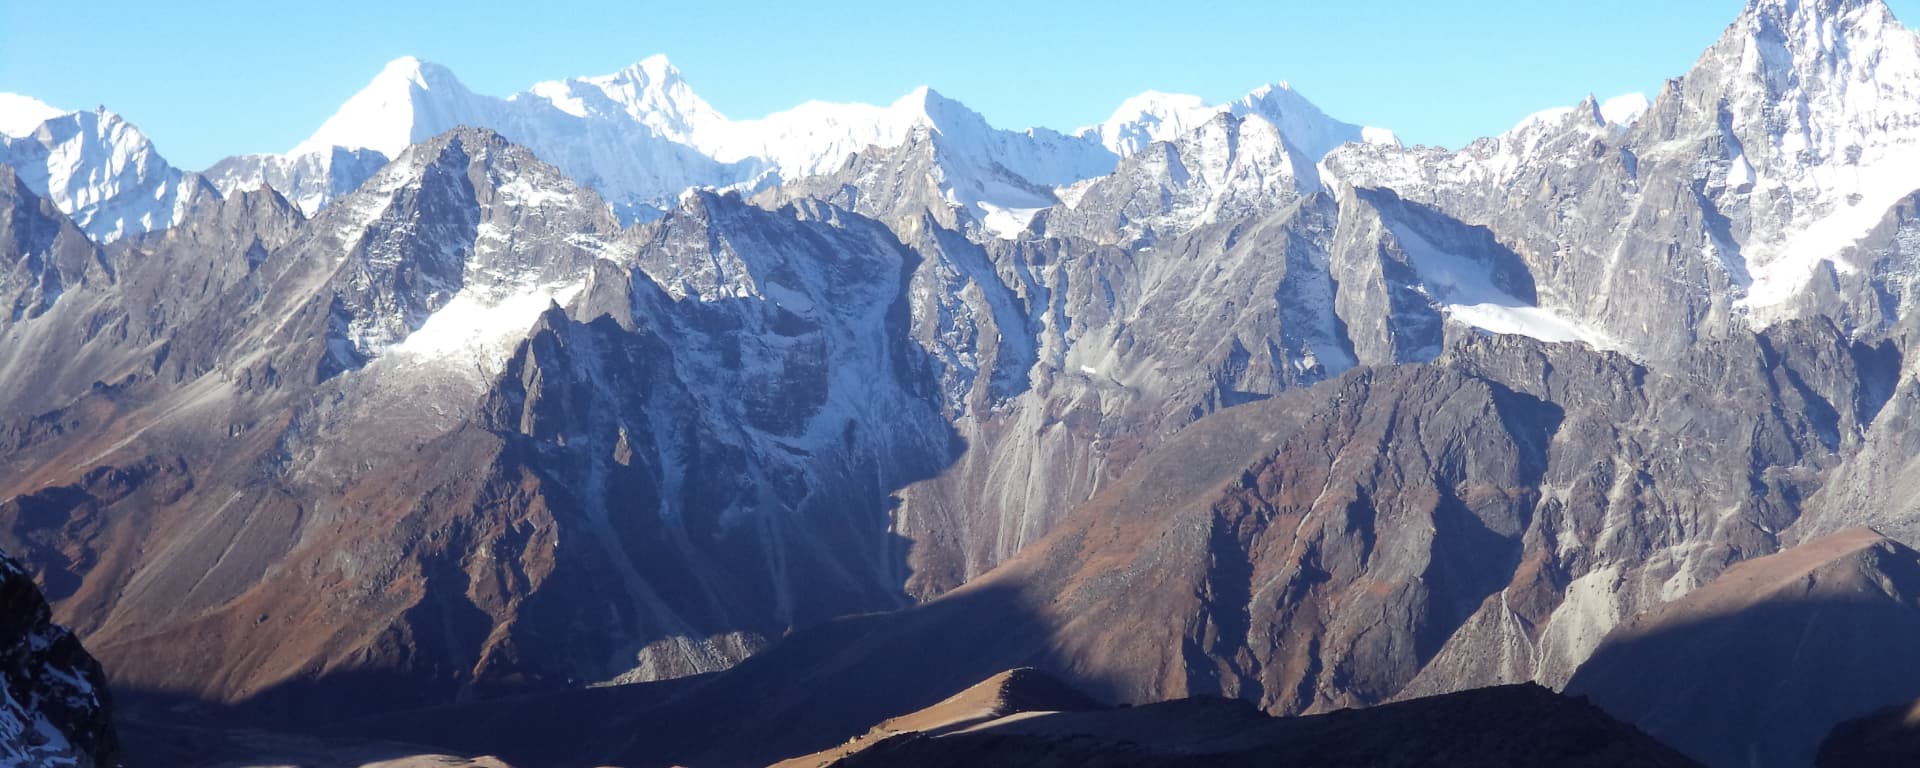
{"x":1756,"y":667}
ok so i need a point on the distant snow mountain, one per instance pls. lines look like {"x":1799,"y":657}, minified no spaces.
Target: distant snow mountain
{"x":1154,"y":116}
{"x":642,"y":136}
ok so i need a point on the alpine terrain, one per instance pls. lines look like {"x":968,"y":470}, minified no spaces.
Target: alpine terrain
{"x":589,"y":425}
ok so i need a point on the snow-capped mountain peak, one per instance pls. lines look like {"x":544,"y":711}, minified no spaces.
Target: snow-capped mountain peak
{"x":101,"y":170}
{"x":641,"y":136}
{"x":1155,"y":116}
{"x":1303,"y":123}
{"x":651,"y":92}
{"x":21,"y":115}
{"x":924,"y":105}
{"x":408,"y":101}
{"x":1149,"y":117}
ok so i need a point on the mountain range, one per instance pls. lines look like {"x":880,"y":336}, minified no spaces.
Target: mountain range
{"x":749,"y":435}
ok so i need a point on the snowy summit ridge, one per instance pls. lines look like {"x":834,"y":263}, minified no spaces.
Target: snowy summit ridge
{"x":1155,"y":116}
{"x":641,"y":136}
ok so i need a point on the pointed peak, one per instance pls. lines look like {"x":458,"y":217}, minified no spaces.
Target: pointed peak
{"x":1278,"y":98}
{"x":1272,"y":88}
{"x":402,"y":66}
{"x":651,"y":72}
{"x":411,"y":70}
{"x":385,"y":116}
{"x":99,"y":123}
{"x":918,"y":97}
{"x":936,"y":108}
{"x":656,"y":68}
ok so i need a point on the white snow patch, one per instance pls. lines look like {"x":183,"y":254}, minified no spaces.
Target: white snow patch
{"x":1466,"y":291}
{"x":1533,"y":322}
{"x":481,"y":328}
{"x":523,"y":192}
{"x":1007,"y":223}
{"x":1860,"y":197}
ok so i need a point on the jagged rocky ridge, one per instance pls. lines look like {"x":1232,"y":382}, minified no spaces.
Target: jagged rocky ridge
{"x":1503,"y":399}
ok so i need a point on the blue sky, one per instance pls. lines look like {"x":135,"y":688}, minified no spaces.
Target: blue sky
{"x":218,"y":77}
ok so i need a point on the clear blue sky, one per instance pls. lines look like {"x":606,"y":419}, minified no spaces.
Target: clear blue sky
{"x":215,"y":77}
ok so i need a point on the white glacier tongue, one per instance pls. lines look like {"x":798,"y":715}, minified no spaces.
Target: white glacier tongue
{"x":21,"y":115}
{"x":1466,"y":289}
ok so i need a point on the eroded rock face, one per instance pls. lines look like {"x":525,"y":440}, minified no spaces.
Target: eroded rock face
{"x":426,"y":466}
{"x":54,"y":706}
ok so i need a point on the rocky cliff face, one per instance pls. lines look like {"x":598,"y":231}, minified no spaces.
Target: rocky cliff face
{"x":54,"y":707}
{"x":613,"y":466}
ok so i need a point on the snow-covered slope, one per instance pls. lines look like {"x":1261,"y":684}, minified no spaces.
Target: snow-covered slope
{"x":817,"y":137}
{"x":97,"y":168}
{"x":1821,"y":105}
{"x":54,"y":707}
{"x":651,"y":92}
